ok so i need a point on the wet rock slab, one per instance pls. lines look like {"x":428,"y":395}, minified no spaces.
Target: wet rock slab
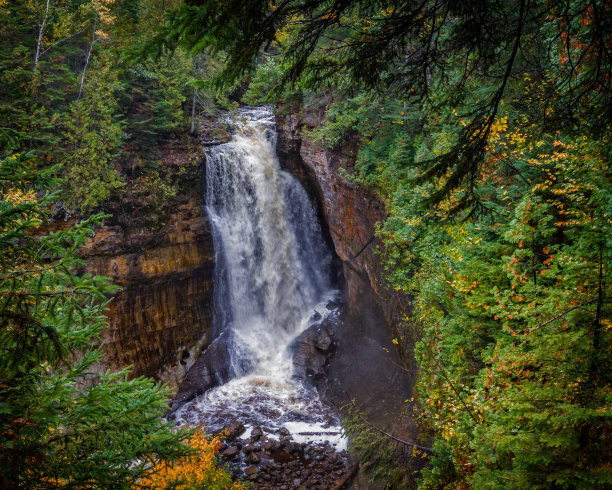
{"x":210,"y":370}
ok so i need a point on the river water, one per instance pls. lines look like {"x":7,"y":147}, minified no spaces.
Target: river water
{"x":272,"y":277}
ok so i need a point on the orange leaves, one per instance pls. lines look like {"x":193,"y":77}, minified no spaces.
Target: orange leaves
{"x":332,"y":16}
{"x":197,"y":471}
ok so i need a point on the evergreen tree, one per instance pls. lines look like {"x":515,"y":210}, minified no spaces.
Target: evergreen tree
{"x":63,"y":422}
{"x":467,"y":55}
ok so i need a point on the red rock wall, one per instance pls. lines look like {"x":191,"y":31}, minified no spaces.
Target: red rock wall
{"x":366,"y":367}
{"x":351,"y":212}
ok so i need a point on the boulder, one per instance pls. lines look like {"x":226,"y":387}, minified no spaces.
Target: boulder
{"x":308,"y":361}
{"x":230,"y":452}
{"x":256,"y":433}
{"x":312,"y":351}
{"x":211,"y":369}
{"x":233,"y":430}
{"x":324,"y":341}
{"x":253,"y":458}
{"x":284,"y":432}
{"x":316,"y":316}
{"x":249,"y":449}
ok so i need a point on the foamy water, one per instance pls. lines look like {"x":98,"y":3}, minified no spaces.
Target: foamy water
{"x":272,"y":274}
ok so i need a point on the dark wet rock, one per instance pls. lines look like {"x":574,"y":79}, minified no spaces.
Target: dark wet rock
{"x":312,"y":466}
{"x":308,"y":361}
{"x":333,"y":305}
{"x":284,"y":432}
{"x":249,"y":449}
{"x":211,"y":369}
{"x":230,"y":452}
{"x":253,"y":458}
{"x":256,"y":433}
{"x":251,"y":470}
{"x":233,"y":430}
{"x":315,"y":317}
{"x":324,"y":341}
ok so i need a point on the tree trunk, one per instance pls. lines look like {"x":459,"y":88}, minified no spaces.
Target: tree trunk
{"x":193,"y":109}
{"x":41,"y":33}
{"x":91,"y":46}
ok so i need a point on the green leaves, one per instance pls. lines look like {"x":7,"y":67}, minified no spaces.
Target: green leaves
{"x":521,"y":331}
{"x":468,"y":57}
{"x":62,"y":421}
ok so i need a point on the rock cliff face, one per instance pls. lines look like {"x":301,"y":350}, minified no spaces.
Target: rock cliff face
{"x":366,"y":366}
{"x":351,"y":212}
{"x":162,"y":257}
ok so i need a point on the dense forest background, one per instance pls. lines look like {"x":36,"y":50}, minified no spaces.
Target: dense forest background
{"x":483,"y":126}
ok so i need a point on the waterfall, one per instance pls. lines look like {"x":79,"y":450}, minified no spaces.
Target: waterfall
{"x":273,"y":266}
{"x":272,"y":275}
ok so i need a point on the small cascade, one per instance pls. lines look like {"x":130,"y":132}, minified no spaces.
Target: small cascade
{"x":272,"y":278}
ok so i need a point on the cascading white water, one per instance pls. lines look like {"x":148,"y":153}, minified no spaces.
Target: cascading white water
{"x":273,"y":274}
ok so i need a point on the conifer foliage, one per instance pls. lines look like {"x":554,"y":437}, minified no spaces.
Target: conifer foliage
{"x":63,"y":422}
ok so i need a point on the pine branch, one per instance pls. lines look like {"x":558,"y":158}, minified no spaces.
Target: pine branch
{"x":563,"y":314}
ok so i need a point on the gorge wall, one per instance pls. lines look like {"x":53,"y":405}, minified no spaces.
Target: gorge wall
{"x":351,"y":211}
{"x":164,"y":261}
{"x":366,"y":367}
{"x":162,"y":256}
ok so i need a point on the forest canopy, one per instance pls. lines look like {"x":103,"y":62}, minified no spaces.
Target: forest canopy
{"x":467,"y":55}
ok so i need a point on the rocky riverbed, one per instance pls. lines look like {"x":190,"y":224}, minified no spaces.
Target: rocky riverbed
{"x":275,"y":459}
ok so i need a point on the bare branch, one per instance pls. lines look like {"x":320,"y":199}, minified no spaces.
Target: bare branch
{"x":396,"y":439}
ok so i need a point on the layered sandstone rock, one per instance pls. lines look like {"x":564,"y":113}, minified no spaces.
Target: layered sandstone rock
{"x":163,"y":260}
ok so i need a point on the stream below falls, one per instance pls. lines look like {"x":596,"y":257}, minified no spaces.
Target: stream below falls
{"x":272,"y":283}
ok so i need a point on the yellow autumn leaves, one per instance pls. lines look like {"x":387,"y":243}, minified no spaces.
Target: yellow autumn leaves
{"x":193,"y":472}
